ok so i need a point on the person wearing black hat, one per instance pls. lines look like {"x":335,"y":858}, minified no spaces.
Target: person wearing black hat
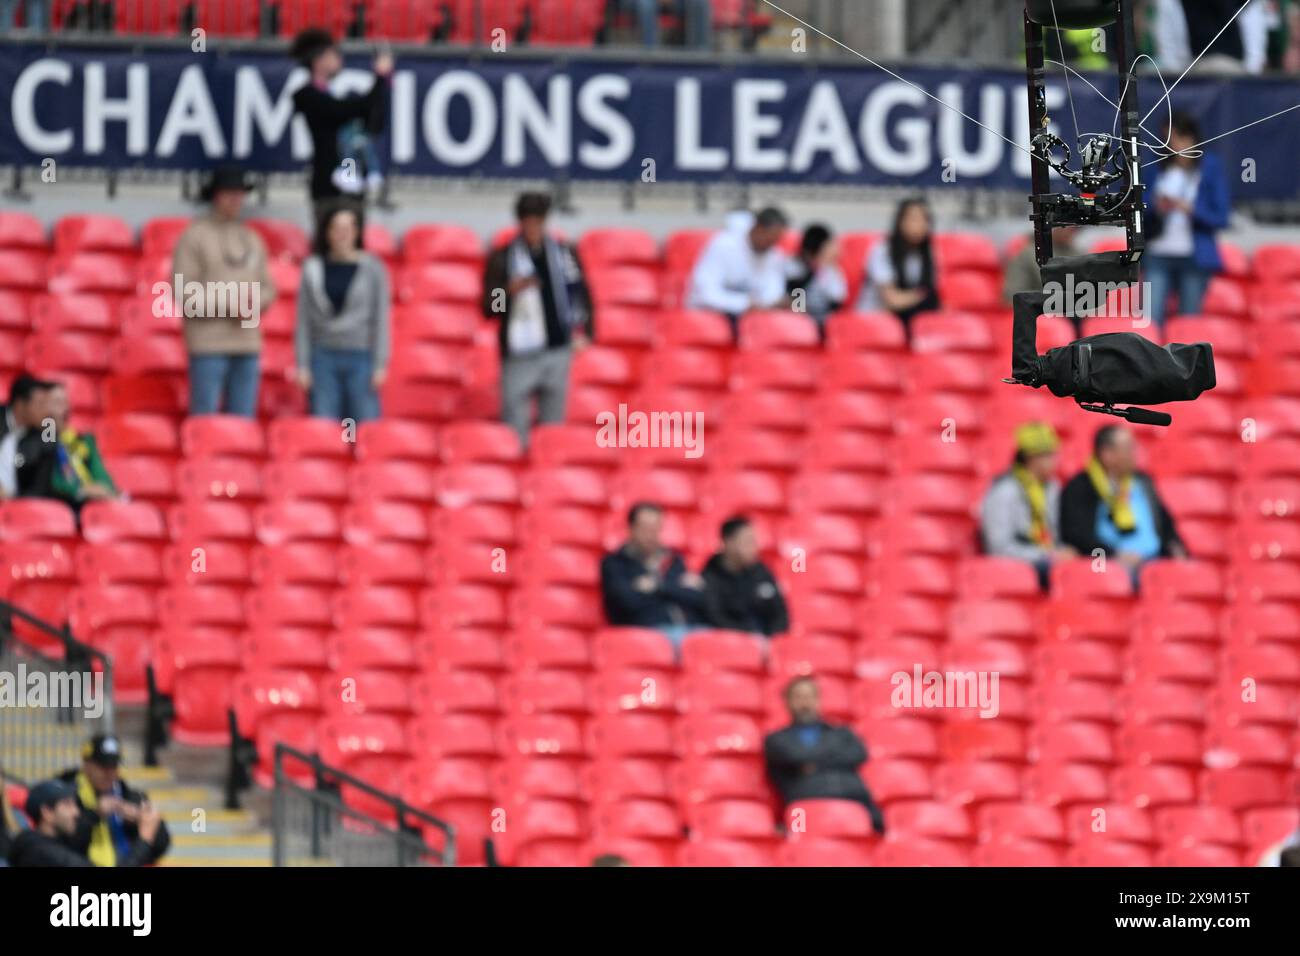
{"x":342,"y":127}
{"x":221,"y":281}
{"x":52,"y":809}
{"x":24,"y":413}
{"x":118,"y":826}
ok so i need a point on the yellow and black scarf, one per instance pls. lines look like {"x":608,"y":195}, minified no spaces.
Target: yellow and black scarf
{"x":102,"y":852}
{"x":1116,"y":499}
{"x":78,"y":455}
{"x":1040,"y":531}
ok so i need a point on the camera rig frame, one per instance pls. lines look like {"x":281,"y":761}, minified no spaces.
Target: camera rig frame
{"x":1101,"y":162}
{"x":1104,"y":161}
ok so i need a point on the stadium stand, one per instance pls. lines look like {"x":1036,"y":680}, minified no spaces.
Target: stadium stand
{"x":262,"y":562}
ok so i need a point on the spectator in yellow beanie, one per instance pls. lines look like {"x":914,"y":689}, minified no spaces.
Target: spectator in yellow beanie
{"x":1018,"y":517}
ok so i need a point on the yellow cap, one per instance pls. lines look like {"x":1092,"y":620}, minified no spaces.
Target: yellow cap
{"x":1036,"y":438}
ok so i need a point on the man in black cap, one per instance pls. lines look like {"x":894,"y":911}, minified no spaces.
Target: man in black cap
{"x":24,"y":415}
{"x":223,"y":332}
{"x":52,"y":809}
{"x":118,"y":826}
{"x":341,"y":126}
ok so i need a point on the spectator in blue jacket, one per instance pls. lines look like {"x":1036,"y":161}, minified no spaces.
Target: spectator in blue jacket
{"x":645,"y":584}
{"x":1187,"y":203}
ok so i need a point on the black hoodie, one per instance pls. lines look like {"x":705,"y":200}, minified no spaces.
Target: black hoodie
{"x":745,"y":600}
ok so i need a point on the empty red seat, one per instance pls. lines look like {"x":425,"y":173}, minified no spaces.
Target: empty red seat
{"x":1274,"y":262}
{"x":441,"y":243}
{"x":27,"y":269}
{"x":1078,"y":579}
{"x":694,"y":328}
{"x":290,"y":439}
{"x":622,"y":246}
{"x":543,"y":735}
{"x":731,"y":852}
{"x":204,"y":663}
{"x":26,"y":519}
{"x":1153,"y":786}
{"x":20,"y":230}
{"x":827,"y":819}
{"x":1110,"y":823}
{"x":283,"y":521}
{"x":372,"y":521}
{"x":1017,"y":853}
{"x":1006,"y":823}
{"x":1064,"y":784}
{"x":442,"y":282}
{"x":950,"y":331}
{"x":921,"y":852}
{"x":461,"y":485}
{"x":210,"y":436}
{"x":453,"y":735}
{"x":1103,"y":853}
{"x":732,"y":820}
{"x":92,"y":232}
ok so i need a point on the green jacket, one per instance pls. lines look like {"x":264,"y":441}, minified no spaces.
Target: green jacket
{"x":66,"y":481}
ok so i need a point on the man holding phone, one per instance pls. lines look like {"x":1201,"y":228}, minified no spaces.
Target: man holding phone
{"x":118,"y":826}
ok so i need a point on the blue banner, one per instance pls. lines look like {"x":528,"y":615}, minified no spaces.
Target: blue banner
{"x":497,"y":117}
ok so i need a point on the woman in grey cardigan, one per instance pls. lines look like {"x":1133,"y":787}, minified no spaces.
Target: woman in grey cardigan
{"x":1019,"y":517}
{"x":342,"y":339}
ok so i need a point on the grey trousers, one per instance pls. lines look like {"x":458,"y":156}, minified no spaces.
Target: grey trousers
{"x":542,"y":374}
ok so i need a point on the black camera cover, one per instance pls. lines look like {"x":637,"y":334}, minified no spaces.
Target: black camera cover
{"x":1072,"y":14}
{"x":1123,"y":368}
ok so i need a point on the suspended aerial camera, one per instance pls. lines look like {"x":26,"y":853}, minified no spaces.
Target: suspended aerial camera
{"x":1099,"y":371}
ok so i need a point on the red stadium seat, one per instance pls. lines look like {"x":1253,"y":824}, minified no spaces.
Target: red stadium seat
{"x":921,"y":852}
{"x":732,"y":820}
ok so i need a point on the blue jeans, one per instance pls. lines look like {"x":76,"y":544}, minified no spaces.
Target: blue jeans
{"x":1181,"y":274}
{"x":36,"y":15}
{"x":340,"y":385}
{"x":698,"y":15}
{"x":232,"y":377}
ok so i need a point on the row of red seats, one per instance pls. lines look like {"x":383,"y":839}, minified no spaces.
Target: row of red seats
{"x":566,"y":23}
{"x":1272,"y":266}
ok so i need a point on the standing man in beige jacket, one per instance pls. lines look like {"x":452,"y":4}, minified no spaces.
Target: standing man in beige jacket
{"x":221,"y":283}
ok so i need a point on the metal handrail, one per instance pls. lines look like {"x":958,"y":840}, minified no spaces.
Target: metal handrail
{"x":74,"y":651}
{"x":328,"y":778}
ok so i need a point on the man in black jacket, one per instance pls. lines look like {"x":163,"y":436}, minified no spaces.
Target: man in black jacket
{"x":645,"y":584}
{"x":814,"y":760}
{"x":1112,"y":508}
{"x":52,"y":809}
{"x":740,"y":592}
{"x":327,"y":115}
{"x":117,"y":826}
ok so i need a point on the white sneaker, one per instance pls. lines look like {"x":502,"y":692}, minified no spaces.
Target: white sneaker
{"x":375,"y":182}
{"x":345,"y":180}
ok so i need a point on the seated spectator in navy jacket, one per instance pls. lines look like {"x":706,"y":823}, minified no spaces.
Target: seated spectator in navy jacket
{"x":740,"y":593}
{"x":815,"y":760}
{"x":647,"y":585}
{"x":1113,"y":508}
